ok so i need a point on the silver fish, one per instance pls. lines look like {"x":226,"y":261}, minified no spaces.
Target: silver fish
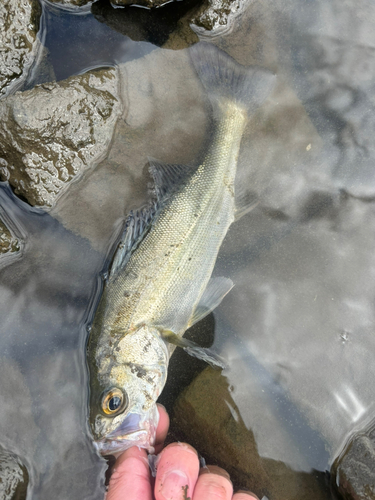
{"x":160,"y":281}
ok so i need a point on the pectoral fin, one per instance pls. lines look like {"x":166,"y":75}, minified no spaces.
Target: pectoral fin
{"x":245,"y":202}
{"x":216,"y":290}
{"x":195,"y":350}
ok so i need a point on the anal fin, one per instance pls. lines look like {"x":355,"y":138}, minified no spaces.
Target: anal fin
{"x":195,"y":350}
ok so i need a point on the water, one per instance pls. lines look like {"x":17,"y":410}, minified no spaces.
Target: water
{"x":45,"y":297}
{"x":85,"y":48}
{"x":297,"y":329}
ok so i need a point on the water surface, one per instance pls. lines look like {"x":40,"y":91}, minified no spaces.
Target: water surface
{"x":297,"y":329}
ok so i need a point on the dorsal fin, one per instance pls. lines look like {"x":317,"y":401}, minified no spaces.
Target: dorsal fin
{"x":136,"y":227}
{"x":167,"y":177}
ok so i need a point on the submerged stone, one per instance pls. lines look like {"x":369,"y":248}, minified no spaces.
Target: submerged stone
{"x":14,"y":477}
{"x":353,"y":473}
{"x":207,"y":417}
{"x":168,"y":26}
{"x":19,"y":24}
{"x":216,"y":16}
{"x":53,"y":133}
{"x":175,"y":25}
{"x":8,"y":243}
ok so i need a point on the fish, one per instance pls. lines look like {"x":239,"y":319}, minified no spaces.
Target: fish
{"x":160,"y":281}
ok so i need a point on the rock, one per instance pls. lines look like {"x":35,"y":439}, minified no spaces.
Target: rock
{"x":19,"y":24}
{"x":175,"y":25}
{"x":141,"y":3}
{"x":8,"y":243}
{"x":155,"y":26}
{"x":206,"y":416}
{"x":53,"y":133}
{"x":353,"y":473}
{"x":12,"y":235}
{"x":216,"y":16}
{"x":13,"y":477}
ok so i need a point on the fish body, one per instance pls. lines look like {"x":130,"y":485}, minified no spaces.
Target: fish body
{"x":159,"y":284}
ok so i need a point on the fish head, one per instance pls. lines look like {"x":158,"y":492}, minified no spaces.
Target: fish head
{"x":125,"y":382}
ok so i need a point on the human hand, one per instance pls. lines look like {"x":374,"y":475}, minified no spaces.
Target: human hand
{"x":178,"y":474}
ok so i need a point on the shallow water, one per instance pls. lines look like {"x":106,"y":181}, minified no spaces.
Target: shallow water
{"x":297,"y":329}
{"x":45,"y":297}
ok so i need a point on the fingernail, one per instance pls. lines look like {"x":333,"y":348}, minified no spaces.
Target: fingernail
{"x":213,"y":469}
{"x":175,"y":485}
{"x":248,"y":492}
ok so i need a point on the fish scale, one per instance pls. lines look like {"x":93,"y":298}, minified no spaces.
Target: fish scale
{"x":162,"y":281}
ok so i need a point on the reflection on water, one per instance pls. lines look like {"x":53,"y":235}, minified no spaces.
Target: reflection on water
{"x":297,"y":329}
{"x":44,"y":302}
{"x":310,"y":296}
{"x":75,"y":42}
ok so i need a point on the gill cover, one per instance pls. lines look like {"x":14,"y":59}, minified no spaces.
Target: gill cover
{"x":129,"y":378}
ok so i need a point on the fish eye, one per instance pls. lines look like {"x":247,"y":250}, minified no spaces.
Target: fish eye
{"x":114,"y":402}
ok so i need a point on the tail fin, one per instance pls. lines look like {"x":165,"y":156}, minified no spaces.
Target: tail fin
{"x":223,"y":77}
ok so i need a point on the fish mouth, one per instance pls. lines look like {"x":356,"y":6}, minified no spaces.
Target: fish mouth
{"x":135,"y":430}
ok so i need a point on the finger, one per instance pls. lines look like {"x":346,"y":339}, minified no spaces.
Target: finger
{"x":131,"y":477}
{"x":213,"y":484}
{"x":162,"y":430}
{"x":177,"y":472}
{"x":244,"y":495}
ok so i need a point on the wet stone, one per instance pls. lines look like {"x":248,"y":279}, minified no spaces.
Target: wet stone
{"x":181,"y":21}
{"x":216,"y":16}
{"x":53,"y":133}
{"x":8,"y":243}
{"x":353,"y":472}
{"x":141,"y":3}
{"x":13,"y":477}
{"x":19,"y":24}
{"x":168,"y":27}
